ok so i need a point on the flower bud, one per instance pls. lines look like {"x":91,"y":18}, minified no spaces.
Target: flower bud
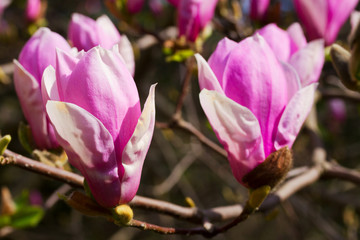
{"x":86,"y":33}
{"x":256,"y":130}
{"x":123,"y":214}
{"x":340,"y":59}
{"x":94,"y":106}
{"x":33,"y":10}
{"x":37,"y":54}
{"x":324,"y":18}
{"x":193,"y":15}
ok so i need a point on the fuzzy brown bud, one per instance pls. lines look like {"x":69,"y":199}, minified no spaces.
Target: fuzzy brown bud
{"x":270,"y":172}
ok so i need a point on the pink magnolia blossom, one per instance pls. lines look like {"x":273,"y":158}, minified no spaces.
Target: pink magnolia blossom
{"x":255,"y":104}
{"x":323,"y":18}
{"x":258,"y":9}
{"x":86,"y":33}
{"x":193,"y":15}
{"x":38,"y":53}
{"x":290,"y":46}
{"x":134,"y":6}
{"x":33,"y":10}
{"x":93,"y":104}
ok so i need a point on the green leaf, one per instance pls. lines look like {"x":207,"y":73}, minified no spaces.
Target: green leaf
{"x":28,"y":216}
{"x":180,"y":55}
{"x":4,"y":142}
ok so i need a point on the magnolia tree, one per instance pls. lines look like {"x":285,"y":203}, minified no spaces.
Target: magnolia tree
{"x":184,"y":117}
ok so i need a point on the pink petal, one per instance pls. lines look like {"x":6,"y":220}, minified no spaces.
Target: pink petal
{"x":309,"y":61}
{"x":83,"y":32}
{"x":278,"y":39}
{"x":237,"y":129}
{"x":294,"y":116}
{"x":65,"y":64}
{"x":253,"y":78}
{"x":297,"y":37}
{"x":293,"y":83}
{"x":101,"y":84}
{"x":90,"y":149}
{"x":338,"y":13}
{"x":219,"y":58}
{"x":313,"y":15}
{"x":207,"y":79}
{"x":32,"y":56}
{"x":258,"y":9}
{"x":28,"y":90}
{"x":135,"y":150}
{"x":109,"y":35}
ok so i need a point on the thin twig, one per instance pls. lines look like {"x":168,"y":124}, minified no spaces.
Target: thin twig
{"x":191,"y":129}
{"x":185,"y":87}
{"x":73,"y":179}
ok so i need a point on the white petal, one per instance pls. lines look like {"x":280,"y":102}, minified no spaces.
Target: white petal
{"x":28,"y":91}
{"x":126,"y":51}
{"x":292,"y":79}
{"x":294,"y":116}
{"x":207,"y":78}
{"x":49,"y":87}
{"x":135,"y":150}
{"x":309,"y":61}
{"x":90,"y":148}
{"x":237,"y":129}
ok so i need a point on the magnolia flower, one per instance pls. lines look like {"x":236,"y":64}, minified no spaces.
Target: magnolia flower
{"x":258,"y":9}
{"x":290,"y":46}
{"x":86,"y":33}
{"x":93,"y":104}
{"x":323,"y":18}
{"x":193,"y":15}
{"x":36,"y":55}
{"x":134,"y":6}
{"x":255,"y":104}
{"x":33,"y":10}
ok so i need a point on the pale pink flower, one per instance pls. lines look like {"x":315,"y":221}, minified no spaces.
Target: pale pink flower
{"x":37,"y":54}
{"x":255,"y":104}
{"x":95,"y":109}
